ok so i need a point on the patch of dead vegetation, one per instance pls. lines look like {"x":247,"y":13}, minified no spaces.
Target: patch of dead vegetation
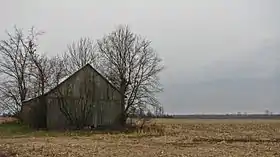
{"x":7,"y":120}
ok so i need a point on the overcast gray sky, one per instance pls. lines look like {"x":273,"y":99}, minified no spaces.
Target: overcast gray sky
{"x":221,"y":56}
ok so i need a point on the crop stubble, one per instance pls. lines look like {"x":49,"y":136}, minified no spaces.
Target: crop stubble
{"x":176,"y":137}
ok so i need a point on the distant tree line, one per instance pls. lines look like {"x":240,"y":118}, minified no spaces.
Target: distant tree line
{"x":158,"y":113}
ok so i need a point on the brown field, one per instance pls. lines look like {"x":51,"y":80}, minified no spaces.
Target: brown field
{"x":169,"y":137}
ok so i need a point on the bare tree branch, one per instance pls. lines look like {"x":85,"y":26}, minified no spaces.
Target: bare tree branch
{"x":79,"y":54}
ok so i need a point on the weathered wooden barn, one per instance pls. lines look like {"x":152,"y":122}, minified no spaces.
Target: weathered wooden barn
{"x":85,"y":96}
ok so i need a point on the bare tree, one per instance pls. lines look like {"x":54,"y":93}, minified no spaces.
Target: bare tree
{"x":39,"y":63}
{"x":24,"y":72}
{"x":58,"y":70}
{"x":40,"y":72}
{"x":45,"y":71}
{"x":129,"y":62}
{"x":80,"y":53}
{"x":13,"y":67}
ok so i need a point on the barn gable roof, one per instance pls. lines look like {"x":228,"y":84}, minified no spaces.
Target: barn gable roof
{"x":72,"y":75}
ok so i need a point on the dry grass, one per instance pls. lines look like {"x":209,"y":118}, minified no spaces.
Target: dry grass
{"x":168,"y":137}
{"x":6,"y":119}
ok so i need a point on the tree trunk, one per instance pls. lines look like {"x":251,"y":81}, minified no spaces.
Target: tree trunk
{"x":122,"y":117}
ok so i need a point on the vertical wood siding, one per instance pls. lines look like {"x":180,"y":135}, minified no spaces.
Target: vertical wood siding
{"x":104,"y":97}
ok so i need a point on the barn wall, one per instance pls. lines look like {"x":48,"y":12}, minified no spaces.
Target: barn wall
{"x":104,"y":98}
{"x":55,"y":118}
{"x":108,"y":100}
{"x":25,"y":113}
{"x":33,"y":113}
